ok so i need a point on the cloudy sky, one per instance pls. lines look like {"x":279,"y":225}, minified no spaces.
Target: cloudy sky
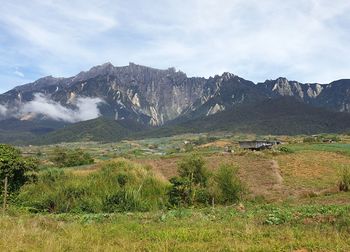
{"x":305,"y":40}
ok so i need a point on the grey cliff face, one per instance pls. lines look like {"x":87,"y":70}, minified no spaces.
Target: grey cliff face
{"x":154,"y":97}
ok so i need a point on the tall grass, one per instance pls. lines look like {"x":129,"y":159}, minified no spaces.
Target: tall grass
{"x":344,"y":183}
{"x":117,"y":186}
{"x":229,"y":186}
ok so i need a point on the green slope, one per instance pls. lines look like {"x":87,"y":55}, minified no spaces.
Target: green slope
{"x":275,"y":116}
{"x":100,"y":129}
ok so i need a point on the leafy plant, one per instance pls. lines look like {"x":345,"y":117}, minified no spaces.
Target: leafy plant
{"x":277,"y":217}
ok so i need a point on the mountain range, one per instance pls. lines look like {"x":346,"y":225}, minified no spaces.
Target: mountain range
{"x":136,"y":100}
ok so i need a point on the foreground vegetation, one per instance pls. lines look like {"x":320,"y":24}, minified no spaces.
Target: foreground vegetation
{"x":186,"y":193}
{"x":257,"y":227}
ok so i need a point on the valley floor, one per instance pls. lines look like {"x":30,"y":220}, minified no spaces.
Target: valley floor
{"x":293,"y":204}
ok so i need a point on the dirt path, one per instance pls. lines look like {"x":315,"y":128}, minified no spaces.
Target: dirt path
{"x":277,"y":174}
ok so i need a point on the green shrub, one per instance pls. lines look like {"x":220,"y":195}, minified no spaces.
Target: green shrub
{"x":193,"y":168}
{"x":228,"y":183}
{"x":180,"y":193}
{"x":188,"y":188}
{"x":285,"y":149}
{"x":203,"y":196}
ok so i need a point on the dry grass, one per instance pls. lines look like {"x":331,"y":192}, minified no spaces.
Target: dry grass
{"x":311,"y":170}
{"x":304,"y":173}
{"x":218,"y":143}
{"x":257,"y":172}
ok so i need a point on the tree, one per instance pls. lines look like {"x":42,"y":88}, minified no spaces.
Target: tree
{"x":15,"y":168}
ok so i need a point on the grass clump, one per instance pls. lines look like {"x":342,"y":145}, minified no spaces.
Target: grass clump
{"x":344,"y":183}
{"x":229,"y":186}
{"x":117,"y":186}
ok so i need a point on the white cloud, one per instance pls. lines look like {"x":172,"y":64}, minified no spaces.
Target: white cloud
{"x":18,"y":73}
{"x":305,"y":40}
{"x":3,"y":110}
{"x":86,"y":109}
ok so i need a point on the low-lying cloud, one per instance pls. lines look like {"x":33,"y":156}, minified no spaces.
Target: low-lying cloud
{"x":85,"y":108}
{"x":3,"y":110}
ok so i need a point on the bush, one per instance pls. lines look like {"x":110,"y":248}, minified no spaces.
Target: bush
{"x":193,"y":168}
{"x":203,"y":196}
{"x":193,"y":180}
{"x":344,"y":184}
{"x":228,"y":183}
{"x":180,"y":193}
{"x":286,"y":150}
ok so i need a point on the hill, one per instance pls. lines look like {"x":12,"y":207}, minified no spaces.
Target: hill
{"x":100,"y":129}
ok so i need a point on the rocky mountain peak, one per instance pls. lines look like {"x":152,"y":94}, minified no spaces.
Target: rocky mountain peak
{"x":227,"y":75}
{"x":155,"y":96}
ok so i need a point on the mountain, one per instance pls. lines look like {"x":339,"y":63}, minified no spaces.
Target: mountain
{"x":334,"y":96}
{"x":280,"y":116}
{"x":149,"y":96}
{"x":133,"y":98}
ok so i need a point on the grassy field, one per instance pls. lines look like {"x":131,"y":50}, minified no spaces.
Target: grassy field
{"x":341,"y":148}
{"x":252,"y":228}
{"x":292,"y":201}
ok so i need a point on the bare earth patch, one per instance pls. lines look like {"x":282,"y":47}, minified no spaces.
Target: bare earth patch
{"x":261,"y":176}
